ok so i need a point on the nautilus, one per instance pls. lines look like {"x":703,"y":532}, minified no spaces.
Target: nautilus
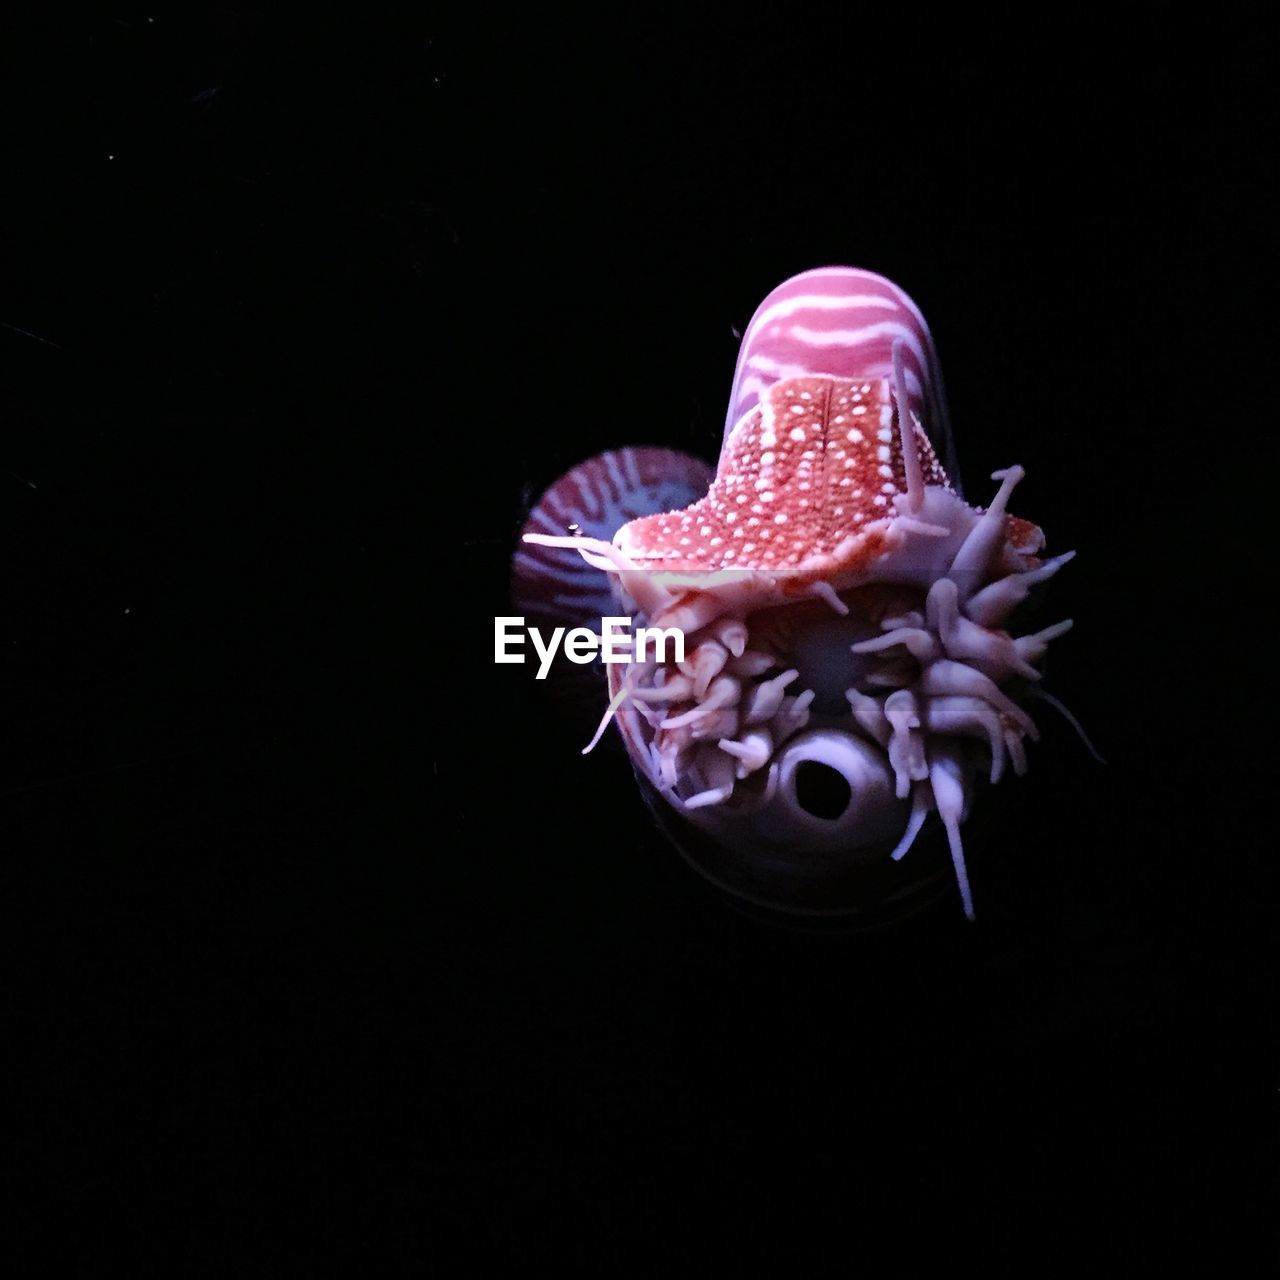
{"x":853,"y":663}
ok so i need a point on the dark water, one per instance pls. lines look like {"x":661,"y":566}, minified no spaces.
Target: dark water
{"x":321,"y":935}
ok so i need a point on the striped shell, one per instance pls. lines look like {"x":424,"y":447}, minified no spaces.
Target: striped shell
{"x":843,"y":322}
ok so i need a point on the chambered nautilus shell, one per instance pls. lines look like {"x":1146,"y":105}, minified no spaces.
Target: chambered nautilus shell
{"x":852,"y":664}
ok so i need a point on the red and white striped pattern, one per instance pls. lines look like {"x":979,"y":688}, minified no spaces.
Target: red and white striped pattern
{"x":841,"y":322}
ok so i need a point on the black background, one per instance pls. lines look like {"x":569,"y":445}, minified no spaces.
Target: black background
{"x":320,"y":934}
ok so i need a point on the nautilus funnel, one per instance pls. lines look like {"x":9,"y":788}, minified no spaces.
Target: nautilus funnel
{"x":852,"y":668}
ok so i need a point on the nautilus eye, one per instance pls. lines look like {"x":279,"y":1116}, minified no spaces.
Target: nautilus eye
{"x":853,"y":664}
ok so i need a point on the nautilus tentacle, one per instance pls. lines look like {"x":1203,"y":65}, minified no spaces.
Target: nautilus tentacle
{"x":566,"y":571}
{"x":593,"y":501}
{"x":852,"y":664}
